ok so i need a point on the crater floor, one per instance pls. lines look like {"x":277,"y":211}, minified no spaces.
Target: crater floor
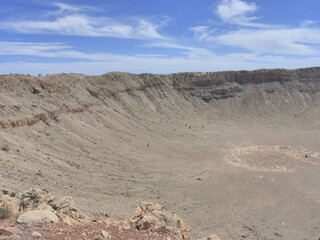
{"x":232,"y":156}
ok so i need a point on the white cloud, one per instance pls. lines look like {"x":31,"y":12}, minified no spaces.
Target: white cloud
{"x":51,"y":50}
{"x":294,"y":41}
{"x":250,"y":45}
{"x":61,"y":50}
{"x":236,"y":11}
{"x":191,"y":52}
{"x":258,"y":38}
{"x":147,"y":29}
{"x":69,"y":20}
{"x":307,"y":23}
{"x":201,"y":32}
{"x":64,"y":7}
{"x":160,"y":64}
{"x":29,"y":48}
{"x":194,"y":59}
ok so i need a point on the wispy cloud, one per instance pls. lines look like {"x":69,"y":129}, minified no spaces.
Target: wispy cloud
{"x":294,"y":41}
{"x":236,"y":11}
{"x":201,"y":32}
{"x":240,"y":40}
{"x":258,"y":38}
{"x":193,"y":59}
{"x":159,"y":64}
{"x":189,"y":51}
{"x":76,"y":21}
{"x":51,"y":50}
{"x":64,"y":8}
{"x":62,"y":50}
{"x":29,"y":48}
{"x":307,"y":23}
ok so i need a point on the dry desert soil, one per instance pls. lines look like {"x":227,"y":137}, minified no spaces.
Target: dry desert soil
{"x":233,"y":153}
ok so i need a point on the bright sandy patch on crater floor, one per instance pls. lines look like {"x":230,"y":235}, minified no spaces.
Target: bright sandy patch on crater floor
{"x":271,"y":158}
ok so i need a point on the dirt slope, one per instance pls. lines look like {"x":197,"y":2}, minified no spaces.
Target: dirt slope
{"x":233,"y":153}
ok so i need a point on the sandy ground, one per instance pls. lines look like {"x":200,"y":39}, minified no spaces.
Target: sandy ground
{"x":238,"y":178}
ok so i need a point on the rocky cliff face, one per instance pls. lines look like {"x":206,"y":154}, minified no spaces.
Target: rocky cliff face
{"x":33,"y":99}
{"x":272,"y":90}
{"x":254,"y":94}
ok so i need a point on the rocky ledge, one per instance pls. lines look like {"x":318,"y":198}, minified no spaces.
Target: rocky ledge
{"x":36,"y":214}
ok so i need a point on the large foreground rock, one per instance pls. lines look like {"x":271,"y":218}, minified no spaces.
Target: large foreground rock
{"x":150,"y":216}
{"x":38,"y":217}
{"x":36,"y":208}
{"x":64,"y":207}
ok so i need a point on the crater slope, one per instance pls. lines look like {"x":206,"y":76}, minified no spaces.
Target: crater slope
{"x":233,"y":153}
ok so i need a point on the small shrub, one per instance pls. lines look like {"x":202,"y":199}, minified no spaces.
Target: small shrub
{"x":5,"y":212}
{"x":5,"y":148}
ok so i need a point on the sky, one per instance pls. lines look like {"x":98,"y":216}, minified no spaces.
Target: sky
{"x":146,"y":36}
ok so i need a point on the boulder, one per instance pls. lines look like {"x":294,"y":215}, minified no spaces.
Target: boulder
{"x":38,"y":217}
{"x":36,"y":90}
{"x":65,"y":207}
{"x":36,"y":234}
{"x":150,"y":216}
{"x":106,"y":235}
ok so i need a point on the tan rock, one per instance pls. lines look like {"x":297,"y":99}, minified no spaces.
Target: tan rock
{"x":67,"y":206}
{"x":38,"y":216}
{"x":213,"y":237}
{"x":68,"y":220}
{"x":14,"y":237}
{"x":10,"y":230}
{"x":105,"y":235}
{"x":126,"y":225}
{"x":111,"y":221}
{"x":36,"y":235}
{"x":150,"y":216}
{"x":36,"y":198}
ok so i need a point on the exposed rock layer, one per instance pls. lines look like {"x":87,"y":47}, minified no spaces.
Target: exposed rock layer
{"x":260,"y":91}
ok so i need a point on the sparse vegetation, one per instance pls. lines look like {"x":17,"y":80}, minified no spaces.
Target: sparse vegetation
{"x":5,"y":148}
{"x":5,"y":212}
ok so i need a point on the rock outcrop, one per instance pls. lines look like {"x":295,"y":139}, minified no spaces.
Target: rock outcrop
{"x":64,"y":207}
{"x":36,"y":208}
{"x":153,"y":217}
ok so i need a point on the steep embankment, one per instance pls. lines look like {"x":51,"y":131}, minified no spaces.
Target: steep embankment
{"x":28,"y":100}
{"x":261,"y":93}
{"x":189,"y":141}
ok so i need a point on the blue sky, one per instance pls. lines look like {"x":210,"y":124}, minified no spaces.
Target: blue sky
{"x":99,"y":36}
